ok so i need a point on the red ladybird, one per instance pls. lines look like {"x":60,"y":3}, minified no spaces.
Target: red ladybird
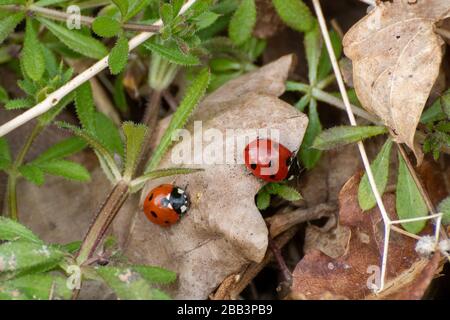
{"x":166,"y":204}
{"x":268,"y":160}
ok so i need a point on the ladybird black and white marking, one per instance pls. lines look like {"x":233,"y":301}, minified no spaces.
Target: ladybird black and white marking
{"x":166,"y":204}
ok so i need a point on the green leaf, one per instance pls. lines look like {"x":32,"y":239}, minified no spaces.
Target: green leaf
{"x":303,"y":102}
{"x":32,"y":54}
{"x":84,"y":105}
{"x":137,"y":183}
{"x":107,"y":132}
{"x":128,"y":284}
{"x":5,"y":154}
{"x":66,"y":169}
{"x":445,"y":102}
{"x":263,"y":199}
{"x":242,"y":22}
{"x":339,"y":136}
{"x":135,"y":7}
{"x":122,"y":5}
{"x":206,"y":19}
{"x":106,"y":27}
{"x":308,"y":155}
{"x":3,"y":2}
{"x":324,"y":62}
{"x":120,"y":99}
{"x":8,"y":24}
{"x":166,"y":13}
{"x":380,"y":169}
{"x":105,"y":157}
{"x":409,"y":201}
{"x":194,"y":94}
{"x":11,"y":230}
{"x":3,"y":95}
{"x":21,"y":103}
{"x":295,"y":14}
{"x":288,"y":193}
{"x":61,"y":149}
{"x":444,"y":207}
{"x":313,"y":48}
{"x":433,"y":113}
{"x":77,"y":41}
{"x":119,"y":56}
{"x":134,"y":140}
{"x":35,"y":287}
{"x":23,"y":257}
{"x":155,"y":274}
{"x":283,"y":191}
{"x":32,"y":173}
{"x":172,"y":52}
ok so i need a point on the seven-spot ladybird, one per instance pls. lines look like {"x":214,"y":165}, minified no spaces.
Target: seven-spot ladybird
{"x":166,"y":204}
{"x":268,"y":160}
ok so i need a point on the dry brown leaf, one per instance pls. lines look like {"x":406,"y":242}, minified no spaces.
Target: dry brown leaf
{"x":396,"y":60}
{"x":223,"y":230}
{"x":318,"y":275}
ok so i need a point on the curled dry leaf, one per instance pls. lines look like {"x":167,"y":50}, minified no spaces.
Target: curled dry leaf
{"x":223,"y":230}
{"x":396,"y":58}
{"x":318,"y":276}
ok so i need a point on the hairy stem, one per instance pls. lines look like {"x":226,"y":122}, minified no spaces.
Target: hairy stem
{"x":103,"y":220}
{"x":14,"y":173}
{"x":84,"y":20}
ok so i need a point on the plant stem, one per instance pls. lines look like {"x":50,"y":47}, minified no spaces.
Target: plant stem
{"x":14,"y":173}
{"x":103,"y":220}
{"x":84,"y":20}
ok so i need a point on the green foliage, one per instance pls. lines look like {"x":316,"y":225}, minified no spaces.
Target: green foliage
{"x":242,"y":23}
{"x":11,"y":230}
{"x":21,"y":103}
{"x":62,"y":149}
{"x":409,"y":201}
{"x":309,"y":155}
{"x":191,"y":99}
{"x":23,"y":257}
{"x":84,"y":104}
{"x":134,"y":140}
{"x":106,"y":27}
{"x":32,"y":173}
{"x":313,"y":46}
{"x":276,"y":189}
{"x":295,"y":14}
{"x":155,"y":274}
{"x":380,"y":169}
{"x":77,"y":41}
{"x":66,"y":169}
{"x":118,"y":56}
{"x":444,"y":207}
{"x":137,"y":183}
{"x":122,"y":5}
{"x":171,"y":51}
{"x":5,"y":154}
{"x":35,"y":287}
{"x":8,"y":24}
{"x":129,"y":284}
{"x":339,"y":136}
{"x":32,"y":54}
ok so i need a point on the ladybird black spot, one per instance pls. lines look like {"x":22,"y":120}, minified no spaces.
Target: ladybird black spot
{"x":151,"y":197}
{"x":270,"y":163}
{"x":253,"y":166}
{"x":167,"y":222}
{"x":153,"y":213}
{"x":273,"y":176}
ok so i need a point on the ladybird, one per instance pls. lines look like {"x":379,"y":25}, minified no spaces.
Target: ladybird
{"x":268,"y":160}
{"x":166,"y":205}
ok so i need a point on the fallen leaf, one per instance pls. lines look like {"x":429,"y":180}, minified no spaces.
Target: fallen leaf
{"x":396,"y":57}
{"x":223,"y":231}
{"x":348,"y":276}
